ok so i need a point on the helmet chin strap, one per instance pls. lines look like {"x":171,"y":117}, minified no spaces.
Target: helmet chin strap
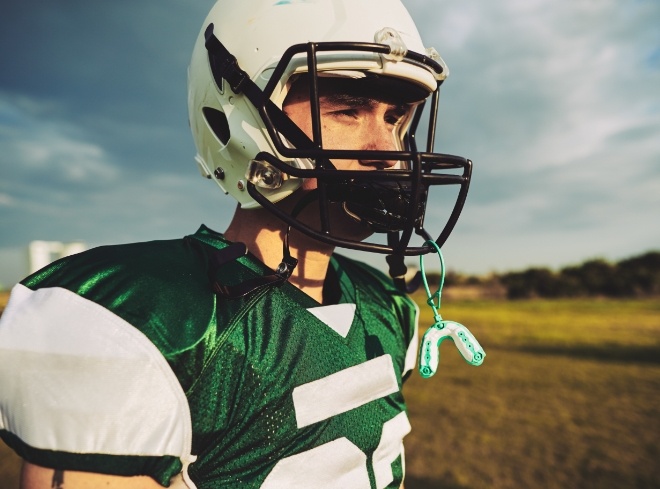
{"x":398,"y":268}
{"x":398,"y":271}
{"x":237,"y":250}
{"x":243,"y":289}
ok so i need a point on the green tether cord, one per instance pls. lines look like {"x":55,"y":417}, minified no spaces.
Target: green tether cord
{"x":467,"y":344}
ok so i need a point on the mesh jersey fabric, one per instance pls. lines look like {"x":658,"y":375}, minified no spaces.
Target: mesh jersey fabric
{"x":264,"y":378}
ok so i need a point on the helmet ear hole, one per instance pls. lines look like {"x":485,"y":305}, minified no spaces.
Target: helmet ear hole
{"x":218,"y":123}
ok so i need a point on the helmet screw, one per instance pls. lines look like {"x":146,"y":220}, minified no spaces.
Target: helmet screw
{"x":219,"y":173}
{"x":241,"y":185}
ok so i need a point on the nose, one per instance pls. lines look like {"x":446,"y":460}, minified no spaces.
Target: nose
{"x":378,"y":137}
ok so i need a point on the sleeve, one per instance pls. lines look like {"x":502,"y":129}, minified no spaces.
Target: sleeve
{"x":82,"y":389}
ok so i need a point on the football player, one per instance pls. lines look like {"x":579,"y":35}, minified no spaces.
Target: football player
{"x":255,"y":358}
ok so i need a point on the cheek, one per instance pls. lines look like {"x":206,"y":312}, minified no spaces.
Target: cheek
{"x":309,"y":184}
{"x":337,"y":137}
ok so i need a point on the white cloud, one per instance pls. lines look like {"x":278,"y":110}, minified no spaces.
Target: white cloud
{"x":557,"y":103}
{"x":6,"y":200}
{"x":459,"y":25}
{"x":75,"y":161}
{"x":33,"y":144}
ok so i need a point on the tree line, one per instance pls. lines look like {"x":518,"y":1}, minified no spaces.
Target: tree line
{"x":638,"y":276}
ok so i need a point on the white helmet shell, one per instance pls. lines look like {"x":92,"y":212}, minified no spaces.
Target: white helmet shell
{"x":257,"y":33}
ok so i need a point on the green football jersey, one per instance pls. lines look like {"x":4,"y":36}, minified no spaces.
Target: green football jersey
{"x":122,"y":360}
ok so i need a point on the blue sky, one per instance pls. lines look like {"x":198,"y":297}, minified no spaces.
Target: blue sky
{"x":555,"y":101}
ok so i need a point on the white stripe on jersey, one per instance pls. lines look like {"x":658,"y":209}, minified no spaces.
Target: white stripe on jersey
{"x":411,"y":353}
{"x":344,"y":390}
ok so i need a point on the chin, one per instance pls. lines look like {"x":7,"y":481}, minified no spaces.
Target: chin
{"x":345,"y":226}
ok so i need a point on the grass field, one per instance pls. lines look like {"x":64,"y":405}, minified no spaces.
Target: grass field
{"x":568,"y":397}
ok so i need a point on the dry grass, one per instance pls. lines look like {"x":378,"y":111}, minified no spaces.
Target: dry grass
{"x":568,"y":396}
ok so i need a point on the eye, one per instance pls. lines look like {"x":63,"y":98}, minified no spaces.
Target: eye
{"x":348,"y":112}
{"x":393,"y":120}
{"x":396,"y":116}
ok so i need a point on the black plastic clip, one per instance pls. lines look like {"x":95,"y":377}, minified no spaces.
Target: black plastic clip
{"x":223,"y":64}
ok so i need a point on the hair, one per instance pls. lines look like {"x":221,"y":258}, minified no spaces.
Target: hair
{"x":385,"y":89}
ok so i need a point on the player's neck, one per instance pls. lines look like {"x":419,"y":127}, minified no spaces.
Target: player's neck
{"x":263,"y":234}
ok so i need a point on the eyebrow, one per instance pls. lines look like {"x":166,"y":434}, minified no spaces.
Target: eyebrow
{"x":350,"y":100}
{"x":358,"y":101}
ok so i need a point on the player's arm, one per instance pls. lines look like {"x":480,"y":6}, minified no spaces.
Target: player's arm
{"x":36,"y":477}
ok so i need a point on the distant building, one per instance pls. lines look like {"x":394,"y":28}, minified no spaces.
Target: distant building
{"x":42,"y":253}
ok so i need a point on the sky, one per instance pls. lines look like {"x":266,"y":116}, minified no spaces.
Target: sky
{"x":555,"y":101}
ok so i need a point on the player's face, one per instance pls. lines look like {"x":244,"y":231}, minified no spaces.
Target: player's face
{"x":350,"y":121}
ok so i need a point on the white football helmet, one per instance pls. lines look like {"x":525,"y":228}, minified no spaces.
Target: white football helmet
{"x":245,"y":60}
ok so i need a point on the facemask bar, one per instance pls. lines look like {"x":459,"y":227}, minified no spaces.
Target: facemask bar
{"x":420,"y":179}
{"x":426,"y":169}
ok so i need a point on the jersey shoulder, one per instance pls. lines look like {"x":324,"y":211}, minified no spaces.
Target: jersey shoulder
{"x":112,"y":335}
{"x":160,"y":287}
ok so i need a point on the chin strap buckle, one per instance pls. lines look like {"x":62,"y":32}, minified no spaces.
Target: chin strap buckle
{"x":286,"y":268}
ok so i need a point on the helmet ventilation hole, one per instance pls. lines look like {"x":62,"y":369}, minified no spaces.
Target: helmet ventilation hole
{"x":217,"y":121}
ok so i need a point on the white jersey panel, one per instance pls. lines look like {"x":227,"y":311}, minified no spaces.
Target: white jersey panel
{"x":339,"y":317}
{"x":411,"y":353}
{"x":335,"y":465}
{"x":344,"y":390}
{"x":83,"y":380}
{"x":390,"y":448}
